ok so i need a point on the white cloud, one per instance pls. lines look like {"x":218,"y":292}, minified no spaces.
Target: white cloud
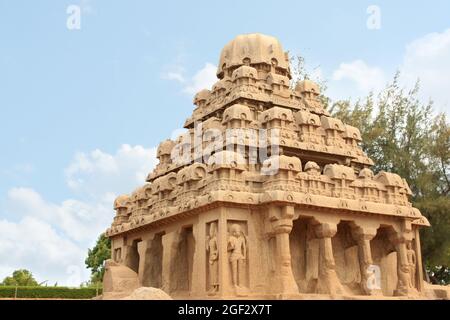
{"x":31,"y":243}
{"x":175,"y":72}
{"x":203,"y":79}
{"x":98,"y":172}
{"x":365,"y":77}
{"x":51,"y":239}
{"x":77,"y":220}
{"x":428,"y":58}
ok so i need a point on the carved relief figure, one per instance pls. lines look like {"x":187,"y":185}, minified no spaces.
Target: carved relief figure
{"x":403,"y":270}
{"x":404,"y":279}
{"x":237,"y":247}
{"x":213,"y":250}
{"x":412,"y":263}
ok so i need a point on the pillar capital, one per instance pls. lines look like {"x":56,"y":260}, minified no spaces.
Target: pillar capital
{"x":363,"y":234}
{"x":325,"y":230}
{"x":280,"y":218}
{"x":401,"y":237}
{"x":280,"y":225}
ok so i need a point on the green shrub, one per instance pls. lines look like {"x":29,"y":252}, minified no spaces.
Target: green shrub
{"x":48,"y":292}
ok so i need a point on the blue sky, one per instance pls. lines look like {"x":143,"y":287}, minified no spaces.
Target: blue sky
{"x":84,"y":109}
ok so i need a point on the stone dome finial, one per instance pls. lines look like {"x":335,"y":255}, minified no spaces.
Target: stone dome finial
{"x":165,"y":148}
{"x":308,"y":86}
{"x":251,"y":49}
{"x":120,"y":201}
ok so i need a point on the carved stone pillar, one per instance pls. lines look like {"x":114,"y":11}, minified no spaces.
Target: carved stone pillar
{"x":281,"y":222}
{"x":403,"y":272}
{"x":225,"y":289}
{"x":127,"y":256}
{"x":369,"y":282}
{"x":131,"y":257}
{"x":143,"y":248}
{"x":419,"y":265}
{"x":328,"y":280}
{"x":404,"y":284}
{"x":168,"y":241}
{"x":199,"y":264}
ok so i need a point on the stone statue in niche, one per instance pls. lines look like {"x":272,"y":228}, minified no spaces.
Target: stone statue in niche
{"x":212,"y":248}
{"x":237,"y":247}
{"x":412,"y":263}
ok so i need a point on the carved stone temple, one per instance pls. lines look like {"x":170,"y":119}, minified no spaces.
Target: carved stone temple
{"x":266,"y":196}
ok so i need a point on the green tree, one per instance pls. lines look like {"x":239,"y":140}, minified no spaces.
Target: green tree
{"x":97,"y":256}
{"x":401,"y":135}
{"x":20,"y":277}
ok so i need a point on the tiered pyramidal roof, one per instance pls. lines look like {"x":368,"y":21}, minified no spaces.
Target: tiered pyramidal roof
{"x":253,"y":139}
